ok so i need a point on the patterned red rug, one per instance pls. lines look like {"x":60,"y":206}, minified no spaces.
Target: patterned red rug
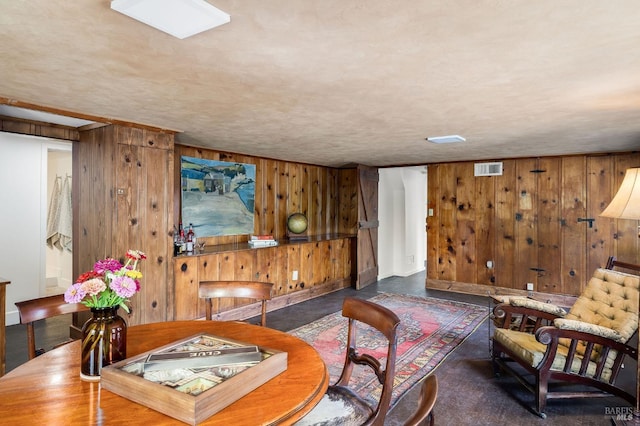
{"x":430,"y":329}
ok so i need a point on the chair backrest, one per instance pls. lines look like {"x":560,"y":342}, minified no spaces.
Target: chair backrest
{"x":235,"y":289}
{"x":386,"y":322}
{"x":610,"y":300}
{"x":42,"y":308}
{"x":428,"y":395}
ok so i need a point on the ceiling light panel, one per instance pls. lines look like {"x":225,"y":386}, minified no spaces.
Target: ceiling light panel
{"x":180,"y":18}
{"x":446,"y":139}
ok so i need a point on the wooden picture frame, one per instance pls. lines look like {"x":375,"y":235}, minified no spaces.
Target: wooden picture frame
{"x":198,"y":396}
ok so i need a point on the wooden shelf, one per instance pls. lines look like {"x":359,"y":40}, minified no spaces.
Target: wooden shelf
{"x":221,"y":248}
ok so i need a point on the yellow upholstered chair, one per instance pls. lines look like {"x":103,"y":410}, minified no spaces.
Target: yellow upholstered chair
{"x":585,"y":346}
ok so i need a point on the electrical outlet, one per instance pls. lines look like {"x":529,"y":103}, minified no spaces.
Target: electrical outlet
{"x":294,"y":276}
{"x":489,"y":264}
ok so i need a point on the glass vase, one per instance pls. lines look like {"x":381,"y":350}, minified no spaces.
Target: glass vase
{"x":104,"y":341}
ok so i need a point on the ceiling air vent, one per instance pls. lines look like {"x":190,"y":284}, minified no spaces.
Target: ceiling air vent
{"x":488,"y":169}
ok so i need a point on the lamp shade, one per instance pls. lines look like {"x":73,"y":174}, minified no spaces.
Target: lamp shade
{"x":626,"y":202}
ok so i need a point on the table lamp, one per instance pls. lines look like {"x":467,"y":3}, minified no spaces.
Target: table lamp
{"x":626,"y":205}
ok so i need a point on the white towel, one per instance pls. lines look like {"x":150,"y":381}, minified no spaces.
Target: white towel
{"x":65,"y":224}
{"x":60,"y":216}
{"x":52,"y":214}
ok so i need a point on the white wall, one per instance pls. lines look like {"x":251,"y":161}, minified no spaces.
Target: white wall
{"x":23,"y":207}
{"x":402,"y":203}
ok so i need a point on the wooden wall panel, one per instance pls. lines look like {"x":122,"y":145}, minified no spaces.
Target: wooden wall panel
{"x":268,"y":220}
{"x":526,"y":238}
{"x":506,"y":196}
{"x":295,"y":188}
{"x":92,"y":187}
{"x":282,"y":270}
{"x":157,"y":225}
{"x":307,"y":262}
{"x":127,"y":217}
{"x":25,"y":127}
{"x":283,"y":195}
{"x":446,"y":215}
{"x":534,"y":234}
{"x":347,"y":208}
{"x":484,"y":202}
{"x":599,"y":189}
{"x":465,"y":240}
{"x":186,"y":291}
{"x":294,"y":263}
{"x":574,"y":234}
{"x":549,"y":227}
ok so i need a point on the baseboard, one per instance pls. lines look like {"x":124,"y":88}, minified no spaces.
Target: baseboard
{"x":563,"y":300}
{"x":414,"y":271}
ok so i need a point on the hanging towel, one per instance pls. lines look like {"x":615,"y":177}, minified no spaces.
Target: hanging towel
{"x":52,"y":213}
{"x":65,"y":224}
{"x":60,"y":216}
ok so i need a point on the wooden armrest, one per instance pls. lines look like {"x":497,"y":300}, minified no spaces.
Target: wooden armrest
{"x":551,"y":335}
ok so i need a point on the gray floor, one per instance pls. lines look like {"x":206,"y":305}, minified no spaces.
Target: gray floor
{"x":469,"y":394}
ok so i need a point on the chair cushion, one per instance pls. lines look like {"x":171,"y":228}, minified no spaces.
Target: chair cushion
{"x":537,"y":305}
{"x":339,"y":407}
{"x":525,"y":347}
{"x":598,"y":330}
{"x":610,"y":300}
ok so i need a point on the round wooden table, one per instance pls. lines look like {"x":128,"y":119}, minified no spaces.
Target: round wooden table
{"x":48,"y":390}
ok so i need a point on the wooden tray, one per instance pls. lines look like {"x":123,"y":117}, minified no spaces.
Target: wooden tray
{"x":191,"y":395}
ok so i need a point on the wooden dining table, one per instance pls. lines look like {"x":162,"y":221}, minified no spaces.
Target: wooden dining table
{"x":48,"y":389}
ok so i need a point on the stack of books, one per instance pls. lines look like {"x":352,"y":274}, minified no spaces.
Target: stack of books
{"x":262,"y":241}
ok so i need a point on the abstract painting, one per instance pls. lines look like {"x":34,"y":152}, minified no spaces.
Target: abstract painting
{"x":217,"y":196}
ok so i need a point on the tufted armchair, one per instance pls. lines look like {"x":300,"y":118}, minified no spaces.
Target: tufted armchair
{"x":585,"y":346}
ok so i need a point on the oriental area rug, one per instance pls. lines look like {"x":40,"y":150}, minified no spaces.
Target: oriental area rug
{"x":430,"y":329}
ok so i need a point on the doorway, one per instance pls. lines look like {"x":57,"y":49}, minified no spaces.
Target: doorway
{"x":402,"y":211}
{"x":58,"y":216}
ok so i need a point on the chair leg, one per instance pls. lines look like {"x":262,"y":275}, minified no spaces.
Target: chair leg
{"x":31,"y":341}
{"x":495,"y":354}
{"x":542,"y":386}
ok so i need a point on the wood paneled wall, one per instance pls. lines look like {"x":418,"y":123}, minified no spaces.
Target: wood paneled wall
{"x":526,"y":222}
{"x":327,"y":196}
{"x":324,"y":265}
{"x":27,"y":127}
{"x":123,"y":199}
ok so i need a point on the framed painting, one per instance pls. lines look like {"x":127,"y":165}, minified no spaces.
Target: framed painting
{"x":217,"y":196}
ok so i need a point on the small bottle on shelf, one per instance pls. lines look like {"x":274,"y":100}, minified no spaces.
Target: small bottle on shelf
{"x":182,"y":242}
{"x":190,"y":238}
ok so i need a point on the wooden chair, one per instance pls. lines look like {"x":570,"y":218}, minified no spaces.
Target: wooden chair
{"x":341,"y":405}
{"x":428,"y":395}
{"x":585,"y":346}
{"x":235,"y":289}
{"x":42,"y":308}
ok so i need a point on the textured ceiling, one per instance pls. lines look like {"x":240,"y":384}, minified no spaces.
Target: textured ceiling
{"x":336,"y":82}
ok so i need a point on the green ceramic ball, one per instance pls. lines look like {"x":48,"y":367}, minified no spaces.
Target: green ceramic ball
{"x":297,"y":223}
